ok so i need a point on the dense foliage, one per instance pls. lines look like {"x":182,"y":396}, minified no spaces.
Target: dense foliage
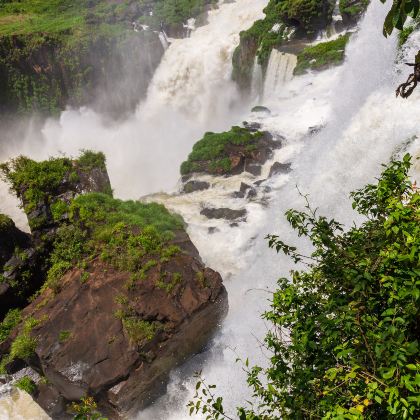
{"x":126,"y":234}
{"x":345,"y":332}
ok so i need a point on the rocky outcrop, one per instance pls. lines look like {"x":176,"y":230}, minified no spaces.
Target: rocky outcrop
{"x":279,"y":168}
{"x":57,"y":70}
{"x":126,"y":297}
{"x":45,"y":189}
{"x":99,"y":338}
{"x":224,"y":213}
{"x":193,"y":186}
{"x":231,"y":153}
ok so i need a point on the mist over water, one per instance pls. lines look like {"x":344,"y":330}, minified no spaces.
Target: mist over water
{"x":190,"y":93}
{"x":363,"y":125}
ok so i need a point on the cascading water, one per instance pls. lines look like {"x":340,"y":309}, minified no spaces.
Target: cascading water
{"x":363,"y":126}
{"x":191,"y":92}
{"x":257,"y":81}
{"x":279,"y":71}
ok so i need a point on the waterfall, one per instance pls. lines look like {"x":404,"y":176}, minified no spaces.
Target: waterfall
{"x":191,"y":92}
{"x":163,"y":39}
{"x":365,"y":124}
{"x":279,"y":71}
{"x":257,"y":81}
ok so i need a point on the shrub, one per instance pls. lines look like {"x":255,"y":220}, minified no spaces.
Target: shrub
{"x":345,"y":337}
{"x":26,"y":384}
{"x":10,"y":321}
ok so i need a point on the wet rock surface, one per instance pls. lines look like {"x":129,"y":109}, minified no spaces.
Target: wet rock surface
{"x":279,"y":168}
{"x":193,"y":186}
{"x":223,"y":213}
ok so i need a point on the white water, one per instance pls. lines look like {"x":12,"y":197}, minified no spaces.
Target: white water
{"x":190,"y":93}
{"x":279,"y":72}
{"x":365,"y":124}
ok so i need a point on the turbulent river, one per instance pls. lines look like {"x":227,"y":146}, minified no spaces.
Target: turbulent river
{"x":361,"y":125}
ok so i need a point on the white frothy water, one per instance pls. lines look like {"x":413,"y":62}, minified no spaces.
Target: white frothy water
{"x":364,"y":125}
{"x":190,"y":93}
{"x":279,"y":71}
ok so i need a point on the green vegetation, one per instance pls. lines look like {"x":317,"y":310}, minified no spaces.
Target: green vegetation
{"x":24,"y":345}
{"x":10,"y":321}
{"x":172,"y":12}
{"x":169,"y":286}
{"x":352,"y":7}
{"x":128,"y":235}
{"x":63,"y":336}
{"x":86,"y":409}
{"x":213,"y":147}
{"x":43,"y":41}
{"x":89,"y":160}
{"x":35,"y":182}
{"x":320,"y":56}
{"x":6,"y":223}
{"x":399,"y":13}
{"x":281,"y":17}
{"x":344,"y":342}
{"x":26,"y":384}
{"x":137,"y":329}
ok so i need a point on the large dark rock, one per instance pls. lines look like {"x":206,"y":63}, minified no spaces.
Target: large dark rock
{"x":193,"y":186}
{"x":223,"y":213}
{"x":109,"y":327}
{"x":279,"y":168}
{"x":84,"y":347}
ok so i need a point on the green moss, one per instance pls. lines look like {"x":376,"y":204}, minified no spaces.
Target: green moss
{"x":6,"y":223}
{"x":26,"y":384}
{"x":58,"y":210}
{"x":24,"y":344}
{"x":322,"y":55}
{"x":63,"y":336}
{"x":139,"y":330}
{"x":128,"y":235}
{"x":353,"y":7}
{"x":169,"y":281}
{"x":213,"y":147}
{"x":10,"y":321}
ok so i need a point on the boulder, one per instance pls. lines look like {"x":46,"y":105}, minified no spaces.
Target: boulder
{"x":116,"y":343}
{"x":223,"y":213}
{"x":232,"y":152}
{"x":279,"y":168}
{"x":261,"y":109}
{"x":193,"y":186}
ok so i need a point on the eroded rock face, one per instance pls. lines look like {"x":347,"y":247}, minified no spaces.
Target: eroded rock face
{"x":133,"y":301}
{"x":85,"y":347}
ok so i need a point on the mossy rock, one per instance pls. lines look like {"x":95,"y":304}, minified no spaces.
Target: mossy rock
{"x":322,"y":55}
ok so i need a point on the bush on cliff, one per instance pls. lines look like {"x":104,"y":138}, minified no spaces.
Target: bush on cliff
{"x":345,"y":332}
